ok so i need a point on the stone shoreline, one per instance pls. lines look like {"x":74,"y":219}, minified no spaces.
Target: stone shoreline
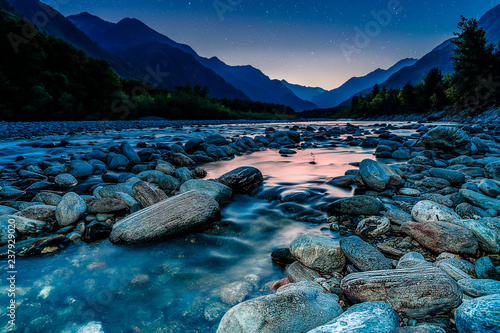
{"x":421,"y":237}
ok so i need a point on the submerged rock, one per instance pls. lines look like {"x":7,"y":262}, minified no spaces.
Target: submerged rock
{"x":168,"y":218}
{"x":295,"y":308}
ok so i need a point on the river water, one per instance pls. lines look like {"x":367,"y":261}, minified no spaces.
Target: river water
{"x":175,"y":285}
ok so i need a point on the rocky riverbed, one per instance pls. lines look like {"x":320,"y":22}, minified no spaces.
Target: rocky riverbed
{"x":320,"y":227}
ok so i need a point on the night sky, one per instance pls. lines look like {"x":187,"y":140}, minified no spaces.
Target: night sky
{"x":306,"y":42}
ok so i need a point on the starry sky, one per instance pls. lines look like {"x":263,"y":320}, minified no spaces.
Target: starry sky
{"x":314,"y":43}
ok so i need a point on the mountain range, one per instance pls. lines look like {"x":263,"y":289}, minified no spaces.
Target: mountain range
{"x":136,"y":51}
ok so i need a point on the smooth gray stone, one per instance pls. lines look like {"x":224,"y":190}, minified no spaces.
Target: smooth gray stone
{"x":485,"y":269}
{"x":39,"y":212}
{"x":25,"y":225}
{"x":480,"y":200}
{"x":479,"y":287}
{"x":243,"y":179}
{"x":489,"y":187}
{"x":65,"y":180}
{"x":479,"y":315}
{"x":378,"y":175}
{"x":322,"y":254}
{"x":295,"y":308}
{"x":412,"y":260}
{"x":169,"y":183}
{"x":220,"y":192}
{"x":398,"y":217}
{"x":147,"y":194}
{"x":364,"y":256}
{"x":367,"y":317}
{"x":186,"y":212}
{"x":70,"y":209}
{"x":297,"y":272}
{"x":80,"y":169}
{"x":450,"y":139}
{"x":453,"y":176}
{"x":357,"y":205}
{"x":427,"y":211}
{"x":130,"y":153}
{"x":461,"y":264}
{"x":413,"y":292}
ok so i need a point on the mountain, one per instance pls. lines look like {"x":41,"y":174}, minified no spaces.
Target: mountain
{"x":59,"y":26}
{"x":440,"y":56}
{"x":352,"y":86}
{"x":306,"y":93}
{"x":130,"y":33}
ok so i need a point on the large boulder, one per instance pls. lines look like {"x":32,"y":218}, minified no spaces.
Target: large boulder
{"x":428,"y":211}
{"x":295,"y":308}
{"x":168,"y":218}
{"x":220,"y":192}
{"x":412,"y":292}
{"x":442,"y":237}
{"x":357,"y":205}
{"x":80,"y":169}
{"x":364,"y":256}
{"x":479,"y":315}
{"x":480,"y":200}
{"x":367,"y":317}
{"x":243,"y":179}
{"x":449,"y":139}
{"x":319,"y":253}
{"x":378,"y":175}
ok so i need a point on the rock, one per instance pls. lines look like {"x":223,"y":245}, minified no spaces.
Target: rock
{"x":283,"y":257}
{"x":147,"y":194}
{"x":297,"y":272}
{"x":412,"y":292}
{"x":118,"y":161}
{"x":479,"y":287}
{"x":4,"y":231}
{"x":461,"y":264}
{"x":70,"y":209}
{"x":65,"y":180}
{"x":357,"y":205}
{"x":488,"y":239}
{"x":48,"y":198}
{"x":130,"y":153}
{"x":319,"y":253}
{"x":235,"y":292}
{"x":401,"y":154}
{"x":455,"y":273}
{"x":286,"y":151}
{"x":10,"y":191}
{"x":33,"y":246}
{"x":168,"y":218}
{"x":150,"y":176}
{"x":433,"y":182}
{"x":169,"y":183}
{"x":342,"y":181}
{"x":193,"y":145}
{"x":437,"y":198}
{"x":99,"y":166}
{"x":449,"y":139}
{"x":216,"y":140}
{"x":492,"y":170}
{"x":5,"y":210}
{"x":243,"y":179}
{"x":427,"y":211}
{"x":422,"y":328}
{"x":364,"y":256}
{"x":377,"y":175}
{"x":485,"y":269}
{"x":373,"y":226}
{"x":409,"y":192}
{"x":39,"y":212}
{"x":412,"y":260}
{"x":91,"y":327}
{"x":181,"y":160}
{"x":166,"y":168}
{"x":442,"y":237}
{"x":367,"y":317}
{"x":397,"y":216}
{"x":24,"y":225}
{"x":479,"y":315}
{"x":295,"y":308}
{"x":80,"y":169}
{"x":480,"y":200}
{"x":96,"y":155}
{"x":294,"y":195}
{"x":467,"y":211}
{"x":111,"y":191}
{"x":453,"y":176}
{"x":214,"y":311}
{"x":489,"y":187}
{"x":221,"y":193}
{"x":96,"y":231}
{"x":183,"y":174}
{"x":106,"y":205}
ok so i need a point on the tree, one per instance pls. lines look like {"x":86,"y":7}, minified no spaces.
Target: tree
{"x":473,"y":58}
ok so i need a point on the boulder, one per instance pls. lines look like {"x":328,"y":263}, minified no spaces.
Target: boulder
{"x":168,"y":218}
{"x":449,"y":139}
{"x":147,"y":194}
{"x":295,"y":308}
{"x":453,"y":176}
{"x":479,"y":315}
{"x":39,"y":212}
{"x":479,"y":287}
{"x":70,"y":209}
{"x":220,"y":192}
{"x":243,"y":179}
{"x":357,"y":205}
{"x":412,"y":292}
{"x":106,"y":205}
{"x":130,"y":153}
{"x":378,"y":175}
{"x":442,"y":237}
{"x":489,"y":187}
{"x":65,"y":180}
{"x":488,"y":239}
{"x":80,"y":169}
{"x":364,"y":256}
{"x":480,"y":200}
{"x":428,"y":211}
{"x":319,"y":253}
{"x":24,"y":225}
{"x":492,"y":170}
{"x":367,"y":317}
{"x":297,"y":272}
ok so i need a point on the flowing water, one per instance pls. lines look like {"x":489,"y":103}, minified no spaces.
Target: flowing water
{"x":175,"y":285}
